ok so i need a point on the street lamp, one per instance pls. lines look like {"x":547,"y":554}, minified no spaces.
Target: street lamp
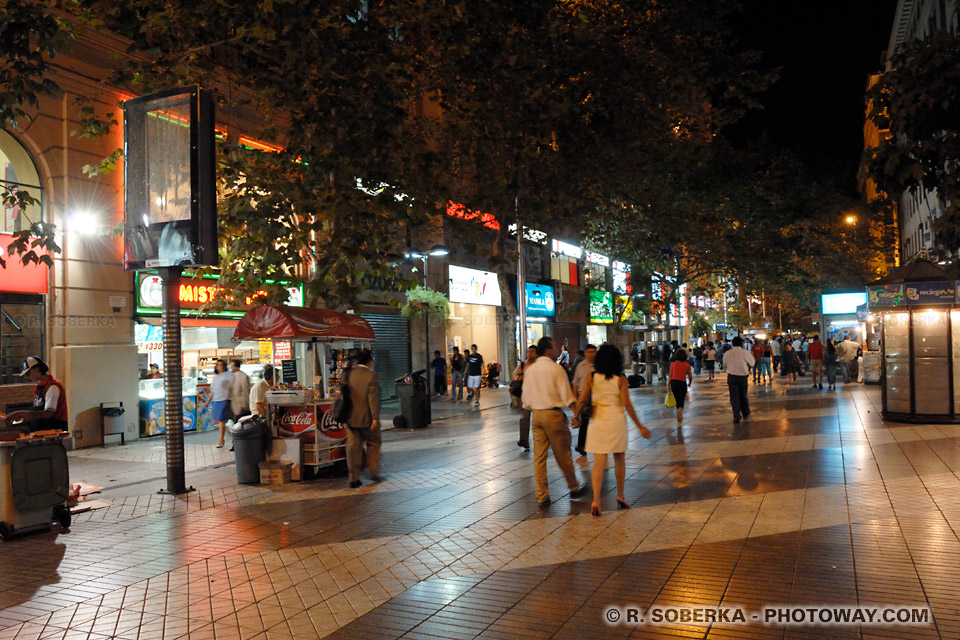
{"x":413,"y":253}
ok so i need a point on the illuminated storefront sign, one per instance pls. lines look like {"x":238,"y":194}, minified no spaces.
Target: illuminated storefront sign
{"x":564,"y":249}
{"x":541,"y":300}
{"x":194,"y":294}
{"x":455,"y":210}
{"x":601,"y":307}
{"x":17,"y":277}
{"x":474,"y":286}
{"x":597,"y":258}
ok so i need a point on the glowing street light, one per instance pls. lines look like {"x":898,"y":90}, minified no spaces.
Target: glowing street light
{"x":851,"y":220}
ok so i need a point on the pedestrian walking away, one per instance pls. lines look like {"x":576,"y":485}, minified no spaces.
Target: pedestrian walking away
{"x":710,"y":361}
{"x":737,"y":362}
{"x":790,"y":362}
{"x":680,"y":379}
{"x":584,"y":369}
{"x":363,"y":430}
{"x":756,"y":349}
{"x":765,"y":371}
{"x":524,"y":440}
{"x":474,"y":375}
{"x":546,"y":392}
{"x":457,"y":364}
{"x":607,"y":389}
{"x":847,"y":355}
{"x":439,"y":366}
{"x":815,"y":353}
{"x":776,"y":350}
{"x":830,"y":365}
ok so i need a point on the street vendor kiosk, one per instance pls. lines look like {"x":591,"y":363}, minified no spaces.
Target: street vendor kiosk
{"x":300,"y":409}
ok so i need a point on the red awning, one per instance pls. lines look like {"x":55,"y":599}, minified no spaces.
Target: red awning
{"x":291,"y":323}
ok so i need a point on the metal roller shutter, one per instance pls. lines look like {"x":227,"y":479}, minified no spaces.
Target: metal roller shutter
{"x":391,"y":350}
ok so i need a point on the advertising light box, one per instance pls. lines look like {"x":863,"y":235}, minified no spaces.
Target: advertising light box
{"x":473,"y":286}
{"x":541,"y":300}
{"x":601,"y":307}
{"x":837,"y":303}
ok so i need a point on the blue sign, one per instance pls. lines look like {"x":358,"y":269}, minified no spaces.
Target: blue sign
{"x":930,"y":292}
{"x":541,"y":302}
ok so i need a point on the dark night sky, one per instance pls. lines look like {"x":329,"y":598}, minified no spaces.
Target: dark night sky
{"x":826,"y":50}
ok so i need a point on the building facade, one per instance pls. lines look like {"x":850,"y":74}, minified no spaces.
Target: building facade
{"x":915,"y":20}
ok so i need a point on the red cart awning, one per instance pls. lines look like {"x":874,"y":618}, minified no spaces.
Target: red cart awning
{"x":291,"y":323}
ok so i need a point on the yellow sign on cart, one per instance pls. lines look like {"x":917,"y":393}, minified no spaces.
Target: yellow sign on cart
{"x":266,"y":352}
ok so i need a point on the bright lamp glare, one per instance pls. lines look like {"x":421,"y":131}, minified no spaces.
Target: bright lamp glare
{"x":84,"y":223}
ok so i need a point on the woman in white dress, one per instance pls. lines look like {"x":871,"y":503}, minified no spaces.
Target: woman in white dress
{"x":608,"y":390}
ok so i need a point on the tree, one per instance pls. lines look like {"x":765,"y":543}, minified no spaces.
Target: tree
{"x":916,"y":106}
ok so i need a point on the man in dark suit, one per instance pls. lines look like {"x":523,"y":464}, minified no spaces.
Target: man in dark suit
{"x":364,"y":426}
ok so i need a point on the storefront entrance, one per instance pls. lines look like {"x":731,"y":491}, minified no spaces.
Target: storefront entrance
{"x":470,"y":324}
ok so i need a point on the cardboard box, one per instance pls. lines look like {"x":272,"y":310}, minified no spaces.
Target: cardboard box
{"x":287,"y":450}
{"x":275,"y":473}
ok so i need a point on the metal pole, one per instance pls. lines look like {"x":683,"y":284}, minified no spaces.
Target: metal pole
{"x":521,"y":285}
{"x":173,"y":381}
{"x":426,"y":328}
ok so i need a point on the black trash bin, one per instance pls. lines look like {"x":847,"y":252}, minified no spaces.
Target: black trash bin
{"x":414,"y":397}
{"x":251,"y":442}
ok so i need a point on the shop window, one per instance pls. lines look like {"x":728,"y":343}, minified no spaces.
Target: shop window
{"x":21,"y":333}
{"x":594,"y":276}
{"x":18,"y":174}
{"x":564,"y":269}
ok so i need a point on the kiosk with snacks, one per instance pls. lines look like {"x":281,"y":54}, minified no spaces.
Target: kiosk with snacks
{"x":301,"y":402}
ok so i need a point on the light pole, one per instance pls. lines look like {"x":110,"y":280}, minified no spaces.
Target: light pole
{"x":415,"y":254}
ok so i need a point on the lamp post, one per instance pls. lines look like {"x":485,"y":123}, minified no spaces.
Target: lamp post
{"x":415,"y":254}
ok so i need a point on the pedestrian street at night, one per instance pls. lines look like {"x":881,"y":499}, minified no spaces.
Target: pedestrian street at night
{"x":812,"y":500}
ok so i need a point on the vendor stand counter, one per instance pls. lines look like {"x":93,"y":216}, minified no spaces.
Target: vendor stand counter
{"x":306,"y":414}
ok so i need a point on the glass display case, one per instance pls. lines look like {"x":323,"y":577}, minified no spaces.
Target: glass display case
{"x":151,"y":406}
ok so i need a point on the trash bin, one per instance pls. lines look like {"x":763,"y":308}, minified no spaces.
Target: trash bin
{"x":34,"y":485}
{"x":111,"y":422}
{"x":414,"y":397}
{"x":251,"y":441}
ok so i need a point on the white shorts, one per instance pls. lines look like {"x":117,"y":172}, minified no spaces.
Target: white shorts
{"x":473,"y":382}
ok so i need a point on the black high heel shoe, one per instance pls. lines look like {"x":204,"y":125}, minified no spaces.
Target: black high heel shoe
{"x":622,"y":504}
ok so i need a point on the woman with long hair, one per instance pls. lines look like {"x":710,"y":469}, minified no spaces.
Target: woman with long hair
{"x":680,"y":378}
{"x":607,"y":387}
{"x":220,"y":386}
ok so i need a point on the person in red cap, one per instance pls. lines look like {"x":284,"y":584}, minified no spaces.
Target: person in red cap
{"x":49,"y":401}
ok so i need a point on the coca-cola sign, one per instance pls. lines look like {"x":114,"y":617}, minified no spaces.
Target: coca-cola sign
{"x":296,"y":420}
{"x":299,"y":420}
{"x":330,"y":427}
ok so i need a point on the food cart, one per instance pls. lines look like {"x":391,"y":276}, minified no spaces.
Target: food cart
{"x":298,"y":409}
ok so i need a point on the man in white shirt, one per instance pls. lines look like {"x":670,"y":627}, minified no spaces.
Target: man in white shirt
{"x":546,"y":391}
{"x":258,"y":392}
{"x":846,"y":354}
{"x":776,"y":349}
{"x":737,"y":362}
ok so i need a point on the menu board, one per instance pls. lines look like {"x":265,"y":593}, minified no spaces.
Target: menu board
{"x":289,"y":368}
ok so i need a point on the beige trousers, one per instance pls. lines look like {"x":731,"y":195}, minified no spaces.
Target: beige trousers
{"x":355,"y":441}
{"x":550,"y":430}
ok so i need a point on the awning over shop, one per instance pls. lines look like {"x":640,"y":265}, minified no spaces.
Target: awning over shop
{"x":264,"y":323}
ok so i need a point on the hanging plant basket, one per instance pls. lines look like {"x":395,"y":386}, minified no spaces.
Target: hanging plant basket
{"x":421,"y":301}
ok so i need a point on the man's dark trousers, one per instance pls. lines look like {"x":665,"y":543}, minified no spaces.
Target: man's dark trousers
{"x":582,"y":435}
{"x":738,"y":395}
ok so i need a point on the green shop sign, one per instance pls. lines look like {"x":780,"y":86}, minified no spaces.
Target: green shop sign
{"x":601,"y":307}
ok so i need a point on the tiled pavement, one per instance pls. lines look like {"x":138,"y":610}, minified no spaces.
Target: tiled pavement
{"x":813,"y":500}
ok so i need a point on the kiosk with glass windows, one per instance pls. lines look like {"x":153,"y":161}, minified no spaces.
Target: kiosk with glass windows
{"x":920,"y":349}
